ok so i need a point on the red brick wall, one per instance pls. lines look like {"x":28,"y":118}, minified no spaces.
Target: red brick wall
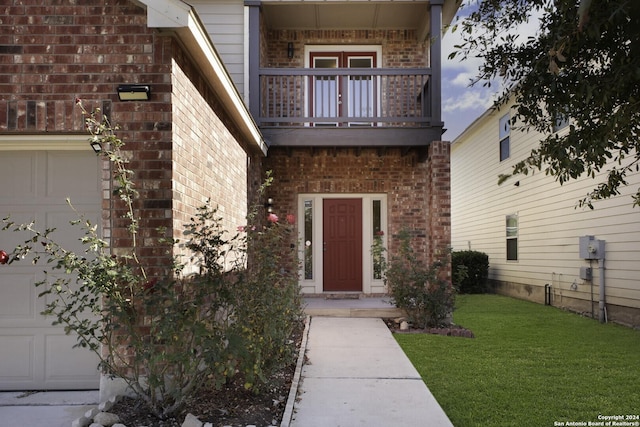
{"x":181,"y":146}
{"x":418,"y":195}
{"x":209,"y":161}
{"x":400,"y":48}
{"x":52,"y":54}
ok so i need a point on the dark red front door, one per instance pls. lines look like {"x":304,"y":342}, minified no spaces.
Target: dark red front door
{"x":342,"y":244}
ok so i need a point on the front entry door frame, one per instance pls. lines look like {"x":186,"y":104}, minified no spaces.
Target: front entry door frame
{"x":310,"y":232}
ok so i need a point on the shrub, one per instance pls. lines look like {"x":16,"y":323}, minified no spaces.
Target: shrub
{"x":166,"y":336}
{"x":420,"y":290}
{"x":470,"y":271}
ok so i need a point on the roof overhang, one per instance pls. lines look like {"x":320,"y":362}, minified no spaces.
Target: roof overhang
{"x":355,"y":14}
{"x":182,"y":19}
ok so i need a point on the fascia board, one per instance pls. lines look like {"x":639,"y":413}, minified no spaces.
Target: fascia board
{"x":183,"y":20}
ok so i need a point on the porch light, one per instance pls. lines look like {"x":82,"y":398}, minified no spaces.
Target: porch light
{"x":134,"y":92}
{"x":290,"y":50}
{"x":97,"y":147}
{"x":269,"y":205}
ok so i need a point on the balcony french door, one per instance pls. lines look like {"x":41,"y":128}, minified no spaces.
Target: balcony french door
{"x":353,"y":96}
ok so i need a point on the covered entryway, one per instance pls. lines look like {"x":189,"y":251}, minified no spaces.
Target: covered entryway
{"x":35,"y":184}
{"x":336,"y":232}
{"x":342,"y":245}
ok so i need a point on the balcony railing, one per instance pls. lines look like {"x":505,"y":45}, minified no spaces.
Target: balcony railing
{"x":345,"y":97}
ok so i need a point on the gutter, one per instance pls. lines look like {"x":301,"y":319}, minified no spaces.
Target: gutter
{"x":183,"y":20}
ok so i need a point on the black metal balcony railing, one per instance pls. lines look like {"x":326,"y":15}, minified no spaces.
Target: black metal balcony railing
{"x":362,"y":97}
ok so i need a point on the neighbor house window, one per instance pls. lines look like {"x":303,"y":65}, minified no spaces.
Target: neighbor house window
{"x":504,"y":132}
{"x":560,"y":122}
{"x":512,"y":237}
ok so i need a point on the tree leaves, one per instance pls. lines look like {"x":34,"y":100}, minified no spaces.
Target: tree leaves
{"x":583,"y":62}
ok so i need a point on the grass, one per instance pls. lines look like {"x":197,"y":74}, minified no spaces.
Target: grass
{"x":529,"y":365}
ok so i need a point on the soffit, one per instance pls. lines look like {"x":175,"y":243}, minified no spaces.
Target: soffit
{"x":303,"y":15}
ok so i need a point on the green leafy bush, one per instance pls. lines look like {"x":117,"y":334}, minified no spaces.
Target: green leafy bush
{"x":470,"y":271}
{"x":168,"y":336}
{"x":419,"y":289}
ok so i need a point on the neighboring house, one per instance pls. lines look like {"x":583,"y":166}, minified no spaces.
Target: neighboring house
{"x":340,"y":99}
{"x":531,"y":226}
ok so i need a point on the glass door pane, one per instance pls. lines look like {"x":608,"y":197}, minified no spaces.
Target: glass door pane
{"x":361,"y":93}
{"x":325,"y":89}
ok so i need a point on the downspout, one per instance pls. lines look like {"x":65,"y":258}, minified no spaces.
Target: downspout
{"x":603,"y":309}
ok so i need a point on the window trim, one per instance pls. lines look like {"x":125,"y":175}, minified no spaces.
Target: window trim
{"x":504,"y":136}
{"x":512,"y":237}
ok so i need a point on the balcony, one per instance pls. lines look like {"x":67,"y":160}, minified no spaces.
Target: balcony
{"x":304,"y":100}
{"x":361,"y":107}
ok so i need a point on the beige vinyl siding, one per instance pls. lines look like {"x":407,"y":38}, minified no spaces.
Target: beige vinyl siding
{"x":549,"y":220}
{"x":224,"y":21}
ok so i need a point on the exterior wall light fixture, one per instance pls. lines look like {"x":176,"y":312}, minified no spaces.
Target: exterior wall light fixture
{"x":290,"y":50}
{"x":269,"y":205}
{"x":134,"y":92}
{"x":97,"y":147}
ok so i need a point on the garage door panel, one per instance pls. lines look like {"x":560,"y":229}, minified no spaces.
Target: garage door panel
{"x":65,"y":366}
{"x":63,"y":181}
{"x":17,"y":173}
{"x":66,"y":234}
{"x":18,"y":364}
{"x":34,"y":355}
{"x":18,"y":298}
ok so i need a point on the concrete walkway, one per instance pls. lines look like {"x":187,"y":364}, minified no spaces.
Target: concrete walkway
{"x":45,"y":409}
{"x":357,"y":375}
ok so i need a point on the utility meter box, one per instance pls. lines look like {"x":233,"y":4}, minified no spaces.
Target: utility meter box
{"x":586,"y":273}
{"x":590,"y":248}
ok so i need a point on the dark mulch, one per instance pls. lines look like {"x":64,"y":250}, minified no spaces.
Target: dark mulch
{"x":450,"y":330}
{"x":233,"y":405}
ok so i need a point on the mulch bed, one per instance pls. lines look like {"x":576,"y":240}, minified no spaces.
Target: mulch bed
{"x":451,"y":330}
{"x":232,"y":405}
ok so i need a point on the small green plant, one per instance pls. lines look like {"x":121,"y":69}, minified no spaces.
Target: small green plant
{"x":420,"y":290}
{"x":470,"y":271}
{"x":168,"y":335}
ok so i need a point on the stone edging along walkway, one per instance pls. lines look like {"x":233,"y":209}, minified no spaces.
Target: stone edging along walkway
{"x":89,"y":418}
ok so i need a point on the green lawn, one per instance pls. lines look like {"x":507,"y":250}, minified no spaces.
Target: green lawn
{"x":529,"y":365}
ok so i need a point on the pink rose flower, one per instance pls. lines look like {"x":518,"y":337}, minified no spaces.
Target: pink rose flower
{"x":272,"y":218}
{"x":291,"y":219}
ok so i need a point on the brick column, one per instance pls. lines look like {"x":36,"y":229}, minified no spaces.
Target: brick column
{"x":439,"y":213}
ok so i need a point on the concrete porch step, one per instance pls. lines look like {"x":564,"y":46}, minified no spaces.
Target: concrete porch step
{"x":350,"y":305}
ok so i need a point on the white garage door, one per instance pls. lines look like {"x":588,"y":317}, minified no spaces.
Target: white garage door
{"x":34,"y":184}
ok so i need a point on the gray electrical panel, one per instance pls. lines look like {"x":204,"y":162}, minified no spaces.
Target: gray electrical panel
{"x":590,"y":248}
{"x":586,"y":273}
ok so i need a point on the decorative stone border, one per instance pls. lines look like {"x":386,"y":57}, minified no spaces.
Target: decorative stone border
{"x":89,"y":418}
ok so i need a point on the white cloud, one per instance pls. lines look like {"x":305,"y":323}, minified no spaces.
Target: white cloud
{"x":461,"y":103}
{"x":462,"y":79}
{"x":469,"y":100}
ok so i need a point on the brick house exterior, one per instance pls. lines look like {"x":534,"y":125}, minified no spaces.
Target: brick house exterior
{"x":210,"y":131}
{"x":193,"y":140}
{"x":407,"y":172}
{"x":183,"y":145}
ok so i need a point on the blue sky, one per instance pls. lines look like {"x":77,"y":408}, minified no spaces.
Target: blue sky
{"x":462,"y":104}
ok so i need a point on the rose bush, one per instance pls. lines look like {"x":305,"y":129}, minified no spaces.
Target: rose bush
{"x":166,"y":336}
